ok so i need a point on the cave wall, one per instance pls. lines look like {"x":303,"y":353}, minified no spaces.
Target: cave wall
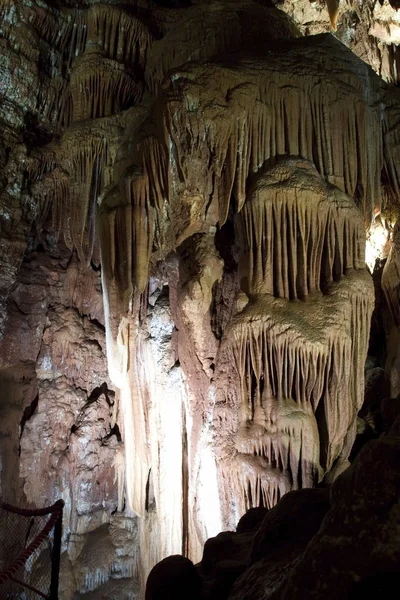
{"x":134,"y":167}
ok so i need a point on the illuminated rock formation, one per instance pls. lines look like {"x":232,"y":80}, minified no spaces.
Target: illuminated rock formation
{"x":300,"y":343}
{"x":184,"y":302}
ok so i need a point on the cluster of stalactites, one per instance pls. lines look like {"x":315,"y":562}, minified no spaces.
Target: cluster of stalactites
{"x":100,"y":87}
{"x":85,"y":160}
{"x":67,"y":178}
{"x":97,"y":89}
{"x":102,"y":47}
{"x":298,"y":234}
{"x":254,"y":486}
{"x":128,"y":218}
{"x":299,"y":363}
{"x":121,"y":35}
{"x":305,"y":354}
{"x":269,"y":112}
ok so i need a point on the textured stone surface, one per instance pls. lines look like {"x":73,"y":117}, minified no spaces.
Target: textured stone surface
{"x":130,"y":136}
{"x":319,"y":543}
{"x":174,"y":577}
{"x":359,"y":538}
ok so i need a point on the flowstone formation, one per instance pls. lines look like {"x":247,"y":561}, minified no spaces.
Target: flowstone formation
{"x":300,"y":336}
{"x":184,"y":303}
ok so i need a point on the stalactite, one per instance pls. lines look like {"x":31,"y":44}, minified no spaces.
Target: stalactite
{"x":138,"y":194}
{"x":100,"y":87}
{"x":230,"y":25}
{"x":280,"y":107}
{"x":333,"y":10}
{"x":65,"y":30}
{"x":298,"y":234}
{"x":300,"y":341}
{"x":115,"y":234}
{"x":121,"y":35}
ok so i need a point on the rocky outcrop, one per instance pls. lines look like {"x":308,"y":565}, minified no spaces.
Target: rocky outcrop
{"x":318,"y":543}
{"x":370,"y":29}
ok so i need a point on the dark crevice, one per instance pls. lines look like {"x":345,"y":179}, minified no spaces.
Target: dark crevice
{"x":27,"y":414}
{"x":185,"y":488}
{"x":323,"y":432}
{"x":96,"y":268}
{"x":113,"y":431}
{"x":150,"y":503}
{"x":97,"y":323}
{"x":97,"y":392}
{"x":163,"y":296}
{"x":224,"y":242}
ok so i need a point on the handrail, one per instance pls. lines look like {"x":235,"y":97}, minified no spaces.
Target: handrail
{"x":55,"y":520}
{"x":33,"y":512}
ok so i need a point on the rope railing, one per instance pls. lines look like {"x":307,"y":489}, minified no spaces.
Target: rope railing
{"x":33,"y":512}
{"x":32,"y":551}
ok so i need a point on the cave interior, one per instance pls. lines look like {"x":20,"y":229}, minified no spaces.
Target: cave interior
{"x":199,"y":296}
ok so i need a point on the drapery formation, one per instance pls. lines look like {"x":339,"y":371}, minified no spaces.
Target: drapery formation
{"x":214,"y":130}
{"x":221,"y":122}
{"x":300,"y":342}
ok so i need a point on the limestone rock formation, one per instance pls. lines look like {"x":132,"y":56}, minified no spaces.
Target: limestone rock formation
{"x":298,"y":395}
{"x":318,"y":543}
{"x":184,"y":306}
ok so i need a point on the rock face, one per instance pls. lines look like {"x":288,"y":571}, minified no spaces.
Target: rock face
{"x":317,"y":543}
{"x":184,"y":304}
{"x":294,"y":422}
